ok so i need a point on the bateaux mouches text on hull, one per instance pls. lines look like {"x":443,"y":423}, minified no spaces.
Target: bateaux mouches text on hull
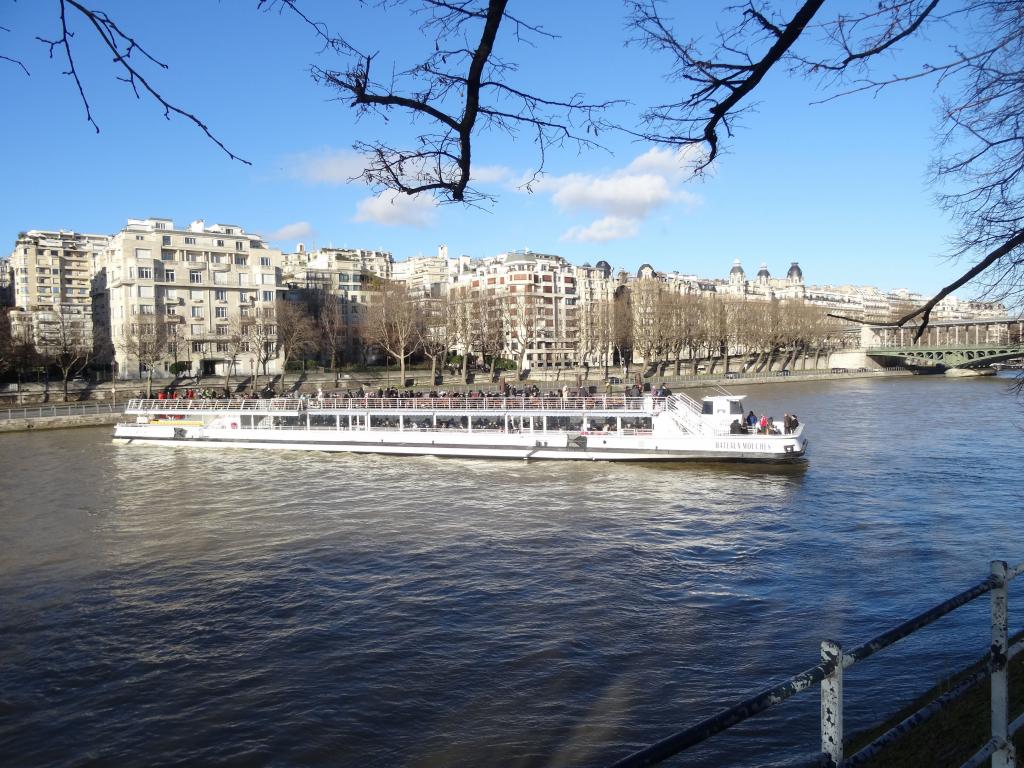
{"x":596,"y":428}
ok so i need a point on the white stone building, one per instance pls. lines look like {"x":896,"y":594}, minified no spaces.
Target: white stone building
{"x":212,"y":290}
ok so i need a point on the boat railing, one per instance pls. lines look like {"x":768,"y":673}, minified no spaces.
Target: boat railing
{"x":314,"y":404}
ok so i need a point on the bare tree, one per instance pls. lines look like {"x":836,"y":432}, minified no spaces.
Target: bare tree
{"x":231,"y":343}
{"x":263,"y":342}
{"x":296,"y":333}
{"x":460,"y":90}
{"x":332,"y":325}
{"x":145,"y":340}
{"x":393,"y":322}
{"x":980,"y":159}
{"x":647,"y":300}
{"x":523,"y":316}
{"x":6,"y":341}
{"x":621,"y":317}
{"x":65,"y":339}
{"x":437,"y":329}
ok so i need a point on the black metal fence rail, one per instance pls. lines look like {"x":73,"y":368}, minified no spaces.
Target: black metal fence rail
{"x":829,"y":675}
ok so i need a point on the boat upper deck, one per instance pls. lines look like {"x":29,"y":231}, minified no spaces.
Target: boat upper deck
{"x":594,"y":404}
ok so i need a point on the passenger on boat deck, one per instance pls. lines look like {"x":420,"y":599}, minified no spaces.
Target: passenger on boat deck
{"x":736,"y":428}
{"x":751,"y":419}
{"x":762,"y":426}
{"x":787,"y":423}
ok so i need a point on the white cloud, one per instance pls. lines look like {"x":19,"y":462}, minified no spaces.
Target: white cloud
{"x":489,"y":174}
{"x":326,"y":166}
{"x":393,"y":209}
{"x":676,"y":165}
{"x":602,"y":230}
{"x":624,"y":197}
{"x":290,"y":232}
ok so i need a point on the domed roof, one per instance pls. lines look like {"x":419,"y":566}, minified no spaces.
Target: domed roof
{"x":586,"y":265}
{"x":795,"y":271}
{"x":604,"y":266}
{"x":737,"y":268}
{"x":763,"y":271}
{"x":648,"y":267}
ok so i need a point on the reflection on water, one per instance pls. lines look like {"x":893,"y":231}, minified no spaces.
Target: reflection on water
{"x":163,"y":605}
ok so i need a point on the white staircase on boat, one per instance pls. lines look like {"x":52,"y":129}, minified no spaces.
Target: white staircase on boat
{"x":686,"y":413}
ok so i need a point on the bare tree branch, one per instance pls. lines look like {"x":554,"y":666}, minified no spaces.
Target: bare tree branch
{"x":122,"y":46}
{"x":925,"y":311}
{"x":719,"y":86}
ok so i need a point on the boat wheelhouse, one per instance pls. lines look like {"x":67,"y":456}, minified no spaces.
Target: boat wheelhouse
{"x":607,"y":428}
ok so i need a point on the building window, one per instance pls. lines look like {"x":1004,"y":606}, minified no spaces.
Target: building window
{"x":229,"y":231}
{"x":240,"y":260}
{"x":146,"y":291}
{"x":197,"y":346}
{"x":222,"y":346}
{"x":222,"y":330}
{"x":167,"y":240}
{"x":197,"y":312}
{"x":220,"y":243}
{"x":169,"y":275}
{"x":221,"y":312}
{"x":268,"y":295}
{"x":243,"y":278}
{"x":220,"y":295}
{"x":145,"y":273}
{"x":190,"y":241}
{"x":195,"y":276}
{"x":264,"y":261}
{"x":146,"y":309}
{"x":171,"y":310}
{"x":220,"y":278}
{"x":167,"y":255}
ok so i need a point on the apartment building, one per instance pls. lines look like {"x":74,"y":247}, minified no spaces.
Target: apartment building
{"x":536,"y":295}
{"x":347,"y":274}
{"x":48,"y":286}
{"x":204,"y":296}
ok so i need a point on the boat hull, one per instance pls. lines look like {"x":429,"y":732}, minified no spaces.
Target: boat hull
{"x":552,"y":446}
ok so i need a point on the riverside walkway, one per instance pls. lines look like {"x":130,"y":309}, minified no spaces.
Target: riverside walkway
{"x":59,"y":416}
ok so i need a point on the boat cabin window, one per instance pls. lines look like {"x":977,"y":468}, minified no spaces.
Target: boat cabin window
{"x":735,"y":407}
{"x":707,"y":407}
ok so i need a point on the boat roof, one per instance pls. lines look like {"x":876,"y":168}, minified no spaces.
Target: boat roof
{"x":723,"y":397}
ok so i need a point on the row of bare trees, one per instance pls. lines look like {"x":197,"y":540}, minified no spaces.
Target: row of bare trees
{"x":59,"y":340}
{"x":647,"y":321}
{"x":652,"y":323}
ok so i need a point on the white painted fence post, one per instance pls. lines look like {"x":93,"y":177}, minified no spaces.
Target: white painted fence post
{"x":832,"y":704}
{"x":1004,"y":756}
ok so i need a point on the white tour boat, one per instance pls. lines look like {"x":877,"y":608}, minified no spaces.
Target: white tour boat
{"x":605,"y":428}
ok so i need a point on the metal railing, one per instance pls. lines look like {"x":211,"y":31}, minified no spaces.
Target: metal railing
{"x":829,"y":676}
{"x":63,"y":409}
{"x":314,"y":404}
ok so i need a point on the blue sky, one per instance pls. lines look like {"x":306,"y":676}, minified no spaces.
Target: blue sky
{"x":840,"y":186}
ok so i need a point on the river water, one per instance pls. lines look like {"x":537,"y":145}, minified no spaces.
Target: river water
{"x":161,"y":606}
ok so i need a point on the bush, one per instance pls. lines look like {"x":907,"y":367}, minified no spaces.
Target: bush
{"x":182,"y":366}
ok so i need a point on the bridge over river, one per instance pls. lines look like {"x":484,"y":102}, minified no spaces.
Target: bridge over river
{"x":951,"y":344}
